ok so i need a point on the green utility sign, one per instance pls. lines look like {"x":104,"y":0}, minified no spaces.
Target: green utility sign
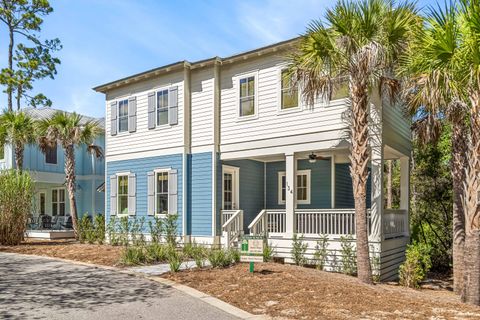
{"x":252,"y":250}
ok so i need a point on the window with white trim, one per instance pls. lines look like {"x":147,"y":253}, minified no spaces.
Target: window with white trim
{"x":58,"y":202}
{"x":302,"y":184}
{"x":51,"y":155}
{"x":247,"y":96}
{"x":161,"y":192}
{"x":122,"y":194}
{"x":123,"y":115}
{"x":162,"y":107}
{"x":288,"y":91}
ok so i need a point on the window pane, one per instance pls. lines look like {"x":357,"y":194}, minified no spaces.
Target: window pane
{"x":62,"y":209}
{"x":247,"y":107}
{"x":341,"y":92}
{"x":162,"y":203}
{"x":243,"y":87}
{"x":54,"y":209}
{"x":54,"y":196}
{"x":42,"y":203}
{"x":251,"y":86}
{"x":51,"y":155}
{"x":162,"y":116}
{"x":61,"y":194}
{"x":289,"y":99}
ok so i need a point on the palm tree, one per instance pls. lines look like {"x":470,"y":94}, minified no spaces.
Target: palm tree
{"x":17,"y":129}
{"x":434,"y":91}
{"x":359,"y":42}
{"x":70,"y":131}
{"x":470,"y":66}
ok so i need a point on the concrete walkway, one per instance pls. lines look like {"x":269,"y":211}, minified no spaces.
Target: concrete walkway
{"x":40,"y":288}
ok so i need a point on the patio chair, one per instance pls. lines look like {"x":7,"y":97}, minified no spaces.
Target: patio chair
{"x":32,"y":222}
{"x":68,"y":224}
{"x":46,"y":222}
{"x":55,"y":223}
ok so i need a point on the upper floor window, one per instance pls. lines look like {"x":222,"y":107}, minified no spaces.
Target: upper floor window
{"x":161,"y":192}
{"x":247,"y":96}
{"x":289,"y":92}
{"x":123,"y":116}
{"x":51,"y":155}
{"x":302,"y":185}
{"x":162,"y":107}
{"x":122,"y":194}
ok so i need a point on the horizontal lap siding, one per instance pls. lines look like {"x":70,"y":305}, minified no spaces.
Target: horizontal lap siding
{"x":202,"y":107}
{"x":396,"y":129}
{"x":251,"y":188}
{"x":270,"y":123}
{"x":200,"y":216}
{"x":144,"y":139}
{"x":141,"y":167}
{"x":320,"y":174}
{"x":343,"y":187}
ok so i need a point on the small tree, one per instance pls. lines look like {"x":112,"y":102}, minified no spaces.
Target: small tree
{"x":16,"y":194}
{"x":70,"y":131}
{"x":18,"y":130}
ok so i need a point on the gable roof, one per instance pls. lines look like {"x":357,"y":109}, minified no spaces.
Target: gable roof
{"x":47,"y":112}
{"x":197,"y":64}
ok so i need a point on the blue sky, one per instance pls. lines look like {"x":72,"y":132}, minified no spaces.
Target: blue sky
{"x":104,"y":40}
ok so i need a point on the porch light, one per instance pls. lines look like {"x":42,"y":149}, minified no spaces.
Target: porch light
{"x":312,"y":158}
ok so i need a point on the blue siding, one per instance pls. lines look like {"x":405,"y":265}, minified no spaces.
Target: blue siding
{"x":343,"y":187}
{"x":219,"y":195}
{"x":251,"y":188}
{"x":321,"y":180}
{"x":199,"y":215}
{"x":86,"y":190}
{"x":141,"y":167}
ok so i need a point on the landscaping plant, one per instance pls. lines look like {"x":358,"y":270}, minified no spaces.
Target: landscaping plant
{"x":174,"y":258}
{"x":170,"y":229}
{"x":132,"y":256}
{"x":299,"y":248}
{"x":321,"y":252}
{"x":219,"y":258}
{"x":156,"y":252}
{"x":349,"y":255}
{"x":16,"y":195}
{"x":155,"y":228}
{"x":99,"y":228}
{"x":124,"y":231}
{"x":199,"y":255}
{"x":268,"y":253}
{"x":416,"y":265}
{"x":136,"y":231}
{"x":112,"y":231}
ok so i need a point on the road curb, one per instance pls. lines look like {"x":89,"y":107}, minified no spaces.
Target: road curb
{"x":215,"y":302}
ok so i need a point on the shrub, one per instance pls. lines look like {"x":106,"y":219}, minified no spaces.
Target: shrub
{"x":170,"y":229}
{"x":112,"y":231}
{"x":16,"y":194}
{"x":199,"y":254}
{"x":100,"y":228}
{"x":416,"y":265}
{"x":268,"y":253}
{"x":375,"y":264}
{"x":124,"y":231}
{"x":298,"y":250}
{"x":136,"y":231}
{"x":132,"y":256}
{"x":233,"y":255}
{"x":188,"y":249}
{"x":156,"y":252}
{"x":84,"y":227}
{"x":349,"y":255}
{"x":155,"y":228}
{"x":174,"y":258}
{"x":321,"y":252}
{"x":219,"y":258}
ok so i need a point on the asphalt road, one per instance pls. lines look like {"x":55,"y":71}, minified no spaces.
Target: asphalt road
{"x":39,"y":288}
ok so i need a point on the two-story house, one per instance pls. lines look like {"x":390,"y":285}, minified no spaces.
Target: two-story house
{"x":231,"y":147}
{"x":48,"y":172}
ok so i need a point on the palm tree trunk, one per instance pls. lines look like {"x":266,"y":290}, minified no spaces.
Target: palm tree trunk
{"x":459,"y":149}
{"x":359,"y":158}
{"x":389,"y":183}
{"x":71,"y":184}
{"x":19,"y":156}
{"x":471,"y":291}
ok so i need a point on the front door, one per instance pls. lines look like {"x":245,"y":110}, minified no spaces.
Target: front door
{"x":230,"y":188}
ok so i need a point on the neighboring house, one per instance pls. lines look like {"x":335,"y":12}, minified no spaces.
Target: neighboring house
{"x":48,"y":172}
{"x":229,"y":145}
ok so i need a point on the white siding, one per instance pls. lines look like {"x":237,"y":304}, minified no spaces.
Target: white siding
{"x":202,"y":107}
{"x":396,"y":128}
{"x":271,"y":123}
{"x":144,"y":140}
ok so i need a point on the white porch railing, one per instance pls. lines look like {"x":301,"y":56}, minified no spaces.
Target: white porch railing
{"x":233,"y":227}
{"x":395,"y":223}
{"x":227,"y":214}
{"x":271,"y":221}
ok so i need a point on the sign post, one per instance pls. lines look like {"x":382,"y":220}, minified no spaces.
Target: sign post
{"x":252,"y":250}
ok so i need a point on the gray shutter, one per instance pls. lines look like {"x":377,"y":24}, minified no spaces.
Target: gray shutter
{"x":132,"y":194}
{"x":173,"y":105}
{"x":132,"y":114}
{"x":172,"y":192}
{"x":151,"y":111}
{"x":151,"y":193}
{"x":113,"y":195}
{"x":113,"y":118}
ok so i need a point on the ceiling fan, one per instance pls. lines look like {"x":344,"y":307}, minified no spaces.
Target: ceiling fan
{"x":312,"y":158}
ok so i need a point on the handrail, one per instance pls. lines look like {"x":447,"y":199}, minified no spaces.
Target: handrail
{"x":233,"y":227}
{"x":232,"y":218}
{"x":257,"y":219}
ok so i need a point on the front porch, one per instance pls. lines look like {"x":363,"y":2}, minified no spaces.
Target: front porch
{"x":310,"y":194}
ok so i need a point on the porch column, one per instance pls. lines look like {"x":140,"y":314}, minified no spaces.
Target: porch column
{"x":290,"y":193}
{"x":405,"y":190}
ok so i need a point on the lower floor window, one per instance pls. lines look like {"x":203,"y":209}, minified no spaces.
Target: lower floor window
{"x":123,"y":194}
{"x":58,"y":202}
{"x":161,"y":192}
{"x":302,"y":184}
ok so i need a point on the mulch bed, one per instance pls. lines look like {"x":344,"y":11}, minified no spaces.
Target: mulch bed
{"x":69,"y":249}
{"x":291,"y":292}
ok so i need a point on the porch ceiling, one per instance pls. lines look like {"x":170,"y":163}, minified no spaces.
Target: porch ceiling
{"x":340,"y":155}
